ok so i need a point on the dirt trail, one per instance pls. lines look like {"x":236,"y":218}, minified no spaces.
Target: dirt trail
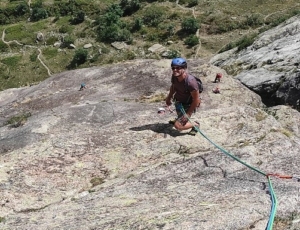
{"x":197,"y":32}
{"x":20,"y":44}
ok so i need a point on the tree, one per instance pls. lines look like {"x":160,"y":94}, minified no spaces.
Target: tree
{"x":138,"y":24}
{"x":110,"y":27}
{"x":130,"y":6}
{"x":21,"y":9}
{"x":79,"y":58}
{"x":37,"y":4}
{"x":78,"y":17}
{"x":115,"y":9}
{"x":193,"y":3}
{"x":38,"y":14}
{"x":171,"y":29}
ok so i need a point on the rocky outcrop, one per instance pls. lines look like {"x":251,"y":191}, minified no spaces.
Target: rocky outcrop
{"x":270,"y":66}
{"x":103,"y":158}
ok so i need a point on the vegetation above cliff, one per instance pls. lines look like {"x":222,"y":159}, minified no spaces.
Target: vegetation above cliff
{"x":40,"y":38}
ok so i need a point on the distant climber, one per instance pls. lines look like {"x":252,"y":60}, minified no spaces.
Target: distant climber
{"x":82,"y":87}
{"x":218,"y":77}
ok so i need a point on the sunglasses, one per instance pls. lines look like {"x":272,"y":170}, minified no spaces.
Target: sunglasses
{"x":176,"y":67}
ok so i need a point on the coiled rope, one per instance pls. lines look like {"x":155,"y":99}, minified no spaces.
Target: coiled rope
{"x":271,"y":190}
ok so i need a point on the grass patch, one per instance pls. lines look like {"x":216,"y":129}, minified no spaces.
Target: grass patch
{"x":260,"y":116}
{"x":3,"y":47}
{"x":241,"y":44}
{"x":286,"y":132}
{"x":18,"y":120}
{"x":285,"y":222}
{"x":11,"y":62}
{"x":154,"y":98}
{"x":50,"y":52}
{"x":21,"y":34}
{"x":96,"y":181}
{"x":271,"y":112}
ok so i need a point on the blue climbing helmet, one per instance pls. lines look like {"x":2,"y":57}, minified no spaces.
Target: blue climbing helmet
{"x":179,"y":62}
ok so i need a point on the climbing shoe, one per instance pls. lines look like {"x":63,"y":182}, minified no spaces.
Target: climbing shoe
{"x":194,"y":131}
{"x":172,"y":122}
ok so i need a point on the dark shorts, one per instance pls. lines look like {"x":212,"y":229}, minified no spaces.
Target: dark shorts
{"x":179,"y":106}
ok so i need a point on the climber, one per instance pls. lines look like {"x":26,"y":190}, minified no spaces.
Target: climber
{"x":82,"y":87}
{"x":184,"y":91}
{"x":218,"y":77}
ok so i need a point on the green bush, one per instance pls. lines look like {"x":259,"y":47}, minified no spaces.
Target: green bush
{"x":37,"y":4}
{"x":173,"y":54}
{"x":21,"y":9}
{"x":67,"y":41}
{"x":153,"y":15}
{"x":129,"y":55}
{"x":191,"y":41}
{"x":3,"y":19}
{"x":51,"y":40}
{"x":13,"y":13}
{"x":105,"y":50}
{"x":174,"y":16}
{"x":226,"y":26}
{"x":79,"y":58}
{"x":65,"y":29}
{"x":110,"y":28}
{"x":114,"y":33}
{"x":3,"y":47}
{"x":193,"y":3}
{"x":190,"y":25}
{"x":78,"y":17}
{"x":33,"y":56}
{"x":114,"y":9}
{"x":137,"y":25}
{"x":95,"y":58}
{"x":229,"y":46}
{"x":130,"y":6}
{"x":38,"y":14}
{"x":242,"y":43}
{"x":171,"y":29}
{"x":245,"y":41}
{"x":254,"y":20}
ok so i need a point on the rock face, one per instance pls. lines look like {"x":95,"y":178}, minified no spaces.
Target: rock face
{"x":270,"y":66}
{"x":102,"y":158}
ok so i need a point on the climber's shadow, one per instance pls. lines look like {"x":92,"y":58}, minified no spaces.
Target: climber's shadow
{"x":159,"y":128}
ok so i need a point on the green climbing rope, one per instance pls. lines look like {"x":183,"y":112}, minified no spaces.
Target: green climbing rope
{"x":271,"y":190}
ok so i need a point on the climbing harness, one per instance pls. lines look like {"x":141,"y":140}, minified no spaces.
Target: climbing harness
{"x":268,"y":175}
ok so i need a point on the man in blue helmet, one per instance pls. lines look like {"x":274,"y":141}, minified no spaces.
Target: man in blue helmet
{"x":184,"y":91}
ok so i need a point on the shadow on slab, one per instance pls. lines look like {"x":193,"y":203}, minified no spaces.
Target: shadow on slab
{"x":159,"y":128}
